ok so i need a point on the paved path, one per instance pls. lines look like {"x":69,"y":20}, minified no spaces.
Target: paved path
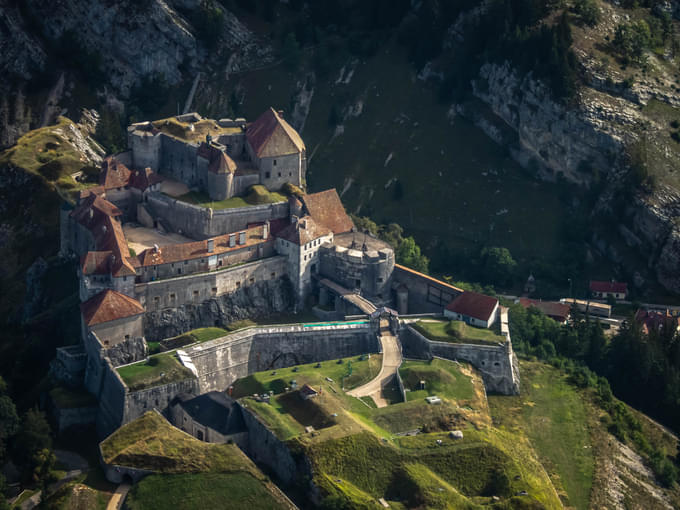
{"x":390,"y":363}
{"x":116,"y":501}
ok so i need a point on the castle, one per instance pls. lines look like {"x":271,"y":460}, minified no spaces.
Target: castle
{"x":193,"y":259}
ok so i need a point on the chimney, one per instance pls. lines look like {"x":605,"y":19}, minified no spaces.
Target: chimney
{"x":156,"y":249}
{"x":242,"y":237}
{"x":211,"y":245}
{"x":294,"y":219}
{"x":265,"y":230}
{"x":232,"y":240}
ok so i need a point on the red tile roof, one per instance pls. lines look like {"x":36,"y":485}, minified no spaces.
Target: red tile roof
{"x":109,"y":305}
{"x":270,"y":136}
{"x":655,"y":320}
{"x":114,"y":174}
{"x":142,"y":179}
{"x":197,"y":249}
{"x":98,"y":215}
{"x":327,"y":209}
{"x":558,"y":311}
{"x":303,"y":232}
{"x":474,"y":305}
{"x":617,"y":287}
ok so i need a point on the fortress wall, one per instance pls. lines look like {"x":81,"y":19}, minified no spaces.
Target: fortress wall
{"x":494,"y":362}
{"x":265,"y":448}
{"x":178,"y":160}
{"x":243,"y":182}
{"x":111,"y":398}
{"x":286,"y":169}
{"x":159,"y":397}
{"x":220,"y":362}
{"x":425,"y":294}
{"x":194,"y":289}
{"x":202,"y":223}
{"x":145,"y":148}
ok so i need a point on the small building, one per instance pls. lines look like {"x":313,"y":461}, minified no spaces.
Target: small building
{"x":655,"y":320}
{"x":212,"y":417}
{"x":604,"y":290}
{"x":474,"y":309}
{"x":558,"y":312}
{"x":592,"y":308}
{"x":113,"y":317}
{"x":307,"y":392}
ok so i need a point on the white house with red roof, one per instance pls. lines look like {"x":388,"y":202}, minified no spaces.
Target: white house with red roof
{"x":604,"y":290}
{"x":474,"y":309}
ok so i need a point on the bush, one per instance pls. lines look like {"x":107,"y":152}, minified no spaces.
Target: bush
{"x":588,"y":11}
{"x":152,"y":362}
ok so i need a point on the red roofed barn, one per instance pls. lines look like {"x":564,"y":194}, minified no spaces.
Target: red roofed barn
{"x":474,"y":309}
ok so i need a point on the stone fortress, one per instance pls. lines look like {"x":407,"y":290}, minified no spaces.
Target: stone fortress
{"x":198,"y":267}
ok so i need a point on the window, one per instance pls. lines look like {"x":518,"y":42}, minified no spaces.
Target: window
{"x":273,"y":275}
{"x":279,"y":174}
{"x":124,"y":278}
{"x":290,"y":174}
{"x":195,"y":293}
{"x":267,"y":175}
{"x":173,"y":297}
{"x":179,"y":270}
{"x":238,"y":284}
{"x":106,"y":342}
{"x":127,"y":337}
{"x":252,"y":280}
{"x":186,"y":262}
{"x":214,"y":291}
{"x":275,"y":165}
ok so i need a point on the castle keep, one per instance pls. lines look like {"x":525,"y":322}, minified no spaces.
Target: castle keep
{"x":155,"y":264}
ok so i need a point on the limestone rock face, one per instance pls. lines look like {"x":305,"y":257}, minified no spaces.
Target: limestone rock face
{"x":554,"y":139}
{"x":133,"y":349}
{"x":257,"y":300}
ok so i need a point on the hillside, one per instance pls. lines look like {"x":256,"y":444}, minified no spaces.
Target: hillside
{"x":552,"y":441}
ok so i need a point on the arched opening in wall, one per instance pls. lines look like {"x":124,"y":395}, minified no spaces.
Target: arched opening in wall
{"x":217,"y":322}
{"x":496,"y":364}
{"x":127,"y":479}
{"x":199,"y":435}
{"x":483,"y":363}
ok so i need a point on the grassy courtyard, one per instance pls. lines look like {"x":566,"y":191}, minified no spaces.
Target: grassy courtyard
{"x":456,"y":332}
{"x":257,"y":195}
{"x":158,"y":369}
{"x":442,"y":378}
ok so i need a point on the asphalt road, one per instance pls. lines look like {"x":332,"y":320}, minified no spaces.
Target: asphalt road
{"x":390,"y":363}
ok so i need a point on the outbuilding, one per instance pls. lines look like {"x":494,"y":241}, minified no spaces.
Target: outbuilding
{"x":474,"y":309}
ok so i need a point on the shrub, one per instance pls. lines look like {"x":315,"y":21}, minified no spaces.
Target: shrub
{"x":152,"y":362}
{"x":588,"y":11}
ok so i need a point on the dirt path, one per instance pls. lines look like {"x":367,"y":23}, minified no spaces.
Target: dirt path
{"x":390,"y":364}
{"x":116,"y":501}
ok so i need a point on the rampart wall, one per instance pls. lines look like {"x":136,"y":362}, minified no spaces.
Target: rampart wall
{"x":220,"y":362}
{"x":202,"y":222}
{"x":494,"y":362}
{"x":197,"y":288}
{"x":425,"y":294}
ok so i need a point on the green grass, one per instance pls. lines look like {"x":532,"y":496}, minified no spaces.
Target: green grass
{"x":456,"y":332}
{"x":442,"y":378}
{"x":257,"y":195}
{"x":67,"y":398}
{"x":158,"y":369}
{"x":552,"y":414}
{"x":150,"y":442}
{"x":206,"y":334}
{"x":202,"y":490}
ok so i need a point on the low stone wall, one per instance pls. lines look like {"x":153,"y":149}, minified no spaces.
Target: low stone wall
{"x":203,"y":222}
{"x":220,"y":362}
{"x":494,"y":362}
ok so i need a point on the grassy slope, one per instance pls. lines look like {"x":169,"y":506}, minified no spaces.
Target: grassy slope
{"x":201,"y":490}
{"x":352,"y":462}
{"x":552,"y":414}
{"x":258,"y":195}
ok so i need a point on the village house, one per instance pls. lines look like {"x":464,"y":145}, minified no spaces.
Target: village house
{"x":558,"y":312}
{"x":604,"y":290}
{"x":655,"y":320}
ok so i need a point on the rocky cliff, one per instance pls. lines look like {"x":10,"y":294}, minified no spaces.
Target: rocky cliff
{"x":257,"y":300}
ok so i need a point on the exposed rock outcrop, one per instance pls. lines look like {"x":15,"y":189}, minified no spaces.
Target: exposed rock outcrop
{"x":128,"y":351}
{"x":257,"y":300}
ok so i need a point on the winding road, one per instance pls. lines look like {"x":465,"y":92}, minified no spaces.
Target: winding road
{"x":390,"y":364}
